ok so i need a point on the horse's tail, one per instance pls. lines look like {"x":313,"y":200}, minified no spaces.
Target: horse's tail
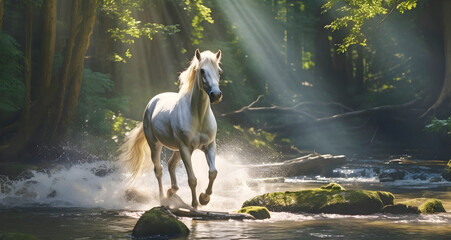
{"x":134,"y":152}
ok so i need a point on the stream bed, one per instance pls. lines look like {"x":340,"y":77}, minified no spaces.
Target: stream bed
{"x":94,"y":201}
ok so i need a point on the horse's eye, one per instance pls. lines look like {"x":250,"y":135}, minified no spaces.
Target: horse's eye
{"x":202,"y":71}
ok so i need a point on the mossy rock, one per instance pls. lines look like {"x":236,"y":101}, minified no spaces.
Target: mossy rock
{"x":323,"y":200}
{"x":159,"y":222}
{"x":17,"y":236}
{"x":401,"y":209}
{"x":426,"y":205}
{"x":447,"y":171}
{"x":257,"y":212}
{"x":333,"y":186}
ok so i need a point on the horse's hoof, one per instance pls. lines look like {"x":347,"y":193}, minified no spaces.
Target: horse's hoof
{"x":170,"y":192}
{"x":204,"y":199}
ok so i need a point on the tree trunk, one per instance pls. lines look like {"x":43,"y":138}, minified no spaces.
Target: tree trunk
{"x":76,"y":19}
{"x":47,"y":51}
{"x":28,"y":42}
{"x":88,"y":10}
{"x":359,"y":71}
{"x":2,"y":8}
{"x":445,"y":93}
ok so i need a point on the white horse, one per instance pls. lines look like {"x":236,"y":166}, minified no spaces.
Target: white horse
{"x":182,"y":122}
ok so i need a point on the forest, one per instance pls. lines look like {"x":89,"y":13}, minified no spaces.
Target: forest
{"x":352,"y":77}
{"x":313,"y":119}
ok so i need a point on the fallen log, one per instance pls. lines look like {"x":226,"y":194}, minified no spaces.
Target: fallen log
{"x":312,"y":164}
{"x":208,"y":215}
{"x":180,"y":209}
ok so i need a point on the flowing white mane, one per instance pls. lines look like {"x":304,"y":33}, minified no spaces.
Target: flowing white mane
{"x":187,"y":77}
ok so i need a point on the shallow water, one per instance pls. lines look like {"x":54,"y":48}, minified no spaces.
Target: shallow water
{"x":88,"y":201}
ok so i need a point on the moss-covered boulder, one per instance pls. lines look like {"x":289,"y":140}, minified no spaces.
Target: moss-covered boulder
{"x":17,"y":236}
{"x":447,"y":171}
{"x":159,"y":222}
{"x":257,"y":212}
{"x":324,"y":200}
{"x":426,"y":205}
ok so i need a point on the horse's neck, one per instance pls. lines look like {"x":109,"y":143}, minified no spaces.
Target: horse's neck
{"x":200,"y":102}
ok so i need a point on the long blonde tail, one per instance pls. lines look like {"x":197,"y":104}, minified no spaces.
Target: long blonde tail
{"x":135,"y":153}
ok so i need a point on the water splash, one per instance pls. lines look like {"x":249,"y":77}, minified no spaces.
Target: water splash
{"x":101,"y":185}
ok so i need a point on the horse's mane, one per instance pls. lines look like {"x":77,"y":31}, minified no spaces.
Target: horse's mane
{"x":187,"y":77}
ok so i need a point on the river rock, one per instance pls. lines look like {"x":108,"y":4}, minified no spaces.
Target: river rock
{"x":312,"y":164}
{"x":447,"y":171}
{"x":329,"y":199}
{"x":426,"y":205}
{"x":401,"y":208}
{"x":159,"y":222}
{"x":257,"y":212}
{"x":392,"y":176}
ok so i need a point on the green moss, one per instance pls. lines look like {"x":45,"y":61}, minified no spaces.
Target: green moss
{"x":426,"y":205}
{"x":333,"y":186}
{"x":159,"y":222}
{"x":431,"y":206}
{"x":17,"y":236}
{"x":257,"y":212}
{"x":324,"y":200}
{"x":387,"y":198}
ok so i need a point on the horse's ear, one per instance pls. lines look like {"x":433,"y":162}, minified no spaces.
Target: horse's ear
{"x":197,"y":54}
{"x":218,"y":55}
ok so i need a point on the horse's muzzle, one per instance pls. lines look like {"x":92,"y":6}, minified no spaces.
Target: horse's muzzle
{"x":215,"y":96}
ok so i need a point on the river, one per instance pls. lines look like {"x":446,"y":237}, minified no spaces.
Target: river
{"x":88,"y":200}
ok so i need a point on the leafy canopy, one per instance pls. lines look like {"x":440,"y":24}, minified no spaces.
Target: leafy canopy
{"x":127,"y":28}
{"x":352,"y":15}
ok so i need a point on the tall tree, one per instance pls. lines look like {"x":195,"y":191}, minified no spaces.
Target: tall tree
{"x":47,"y":51}
{"x":445,"y":94}
{"x":75,"y":74}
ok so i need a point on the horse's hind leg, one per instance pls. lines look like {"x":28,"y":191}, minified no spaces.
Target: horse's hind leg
{"x":185,"y":153}
{"x":172,"y":165}
{"x":210,"y":154}
{"x":156,"y":153}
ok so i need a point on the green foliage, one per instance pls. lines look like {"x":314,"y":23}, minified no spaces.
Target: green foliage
{"x":12,"y":88}
{"x":439,"y":126}
{"x":353,"y":14}
{"x":200,"y":13}
{"x":127,"y":28}
{"x":258,"y":138}
{"x":98,"y":113}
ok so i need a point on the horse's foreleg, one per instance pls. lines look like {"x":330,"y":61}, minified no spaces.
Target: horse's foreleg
{"x":210,"y":154}
{"x":172,"y":165}
{"x":185,"y":153}
{"x":156,"y":153}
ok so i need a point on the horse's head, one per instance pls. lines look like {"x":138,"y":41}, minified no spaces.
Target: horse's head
{"x":209,"y":74}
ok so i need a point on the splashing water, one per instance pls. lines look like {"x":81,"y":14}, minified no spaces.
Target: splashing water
{"x":101,"y":184}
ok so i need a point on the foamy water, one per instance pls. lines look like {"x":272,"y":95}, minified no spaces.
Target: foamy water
{"x":101,"y":184}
